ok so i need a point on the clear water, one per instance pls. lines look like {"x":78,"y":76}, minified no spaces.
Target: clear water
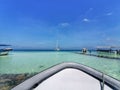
{"x":37,"y":61}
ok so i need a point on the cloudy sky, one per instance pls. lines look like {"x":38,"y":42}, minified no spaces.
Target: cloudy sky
{"x":74,"y":23}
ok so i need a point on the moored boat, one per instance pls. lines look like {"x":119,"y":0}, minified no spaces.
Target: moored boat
{"x":57,"y":46}
{"x":5,"y":51}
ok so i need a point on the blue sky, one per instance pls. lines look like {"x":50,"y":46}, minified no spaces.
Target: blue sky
{"x":38,"y":24}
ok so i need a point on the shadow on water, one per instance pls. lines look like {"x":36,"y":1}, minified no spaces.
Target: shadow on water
{"x":6,"y":57}
{"x":41,"y":66}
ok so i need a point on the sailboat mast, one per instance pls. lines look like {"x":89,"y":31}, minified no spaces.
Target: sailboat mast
{"x":57,"y":46}
{"x":57,"y":42}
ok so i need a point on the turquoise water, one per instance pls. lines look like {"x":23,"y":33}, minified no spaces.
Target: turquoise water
{"x":37,"y":61}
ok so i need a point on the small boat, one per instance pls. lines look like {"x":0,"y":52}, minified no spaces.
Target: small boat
{"x":57,"y":49}
{"x":70,"y":76}
{"x":5,"y":51}
{"x":84,"y":50}
{"x":57,"y":46}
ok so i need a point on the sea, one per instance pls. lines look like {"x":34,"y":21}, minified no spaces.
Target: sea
{"x":18,"y":62}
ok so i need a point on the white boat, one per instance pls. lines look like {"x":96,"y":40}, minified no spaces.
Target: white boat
{"x":4,"y":51}
{"x":57,"y":46}
{"x":57,"y":49}
{"x":70,"y":76}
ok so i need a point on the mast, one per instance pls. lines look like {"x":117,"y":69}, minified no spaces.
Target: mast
{"x":57,"y":42}
{"x":57,"y":46}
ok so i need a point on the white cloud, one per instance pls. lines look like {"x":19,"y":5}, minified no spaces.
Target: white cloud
{"x":65,"y":24}
{"x":86,"y":20}
{"x":108,"y":39}
{"x":40,"y":43}
{"x":109,"y":14}
{"x":90,"y":9}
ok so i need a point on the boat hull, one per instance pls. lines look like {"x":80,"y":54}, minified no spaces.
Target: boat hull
{"x":5,"y":51}
{"x":38,"y":79}
{"x":2,"y":53}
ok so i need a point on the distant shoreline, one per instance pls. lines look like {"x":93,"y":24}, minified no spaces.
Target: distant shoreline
{"x":40,"y":50}
{"x":50,"y":50}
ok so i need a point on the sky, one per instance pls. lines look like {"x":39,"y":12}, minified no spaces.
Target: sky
{"x":75,"y":24}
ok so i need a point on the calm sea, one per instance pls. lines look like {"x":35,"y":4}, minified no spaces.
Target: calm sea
{"x":36,"y":61}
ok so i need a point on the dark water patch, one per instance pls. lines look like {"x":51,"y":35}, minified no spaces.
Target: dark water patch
{"x":41,"y":66}
{"x":8,"y":81}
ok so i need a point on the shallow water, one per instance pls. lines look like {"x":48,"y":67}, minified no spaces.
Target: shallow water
{"x":37,"y":61}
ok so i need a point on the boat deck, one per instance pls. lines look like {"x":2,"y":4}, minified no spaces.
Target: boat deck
{"x":70,"y":76}
{"x":71,"y":79}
